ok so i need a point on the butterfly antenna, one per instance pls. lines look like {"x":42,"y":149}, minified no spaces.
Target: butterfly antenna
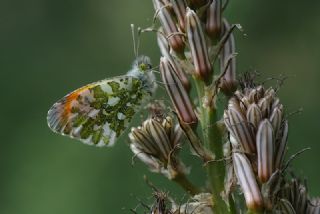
{"x":134,"y":41}
{"x":138,"y":41}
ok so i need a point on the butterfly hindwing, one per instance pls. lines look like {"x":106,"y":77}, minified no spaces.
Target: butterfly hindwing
{"x":98,"y":113}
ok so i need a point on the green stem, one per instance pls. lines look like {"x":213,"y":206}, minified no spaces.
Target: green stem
{"x":212,"y":138}
{"x":183,"y":181}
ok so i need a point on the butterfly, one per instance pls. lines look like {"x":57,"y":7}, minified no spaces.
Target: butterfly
{"x":98,"y":113}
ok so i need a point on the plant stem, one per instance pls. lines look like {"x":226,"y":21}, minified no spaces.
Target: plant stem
{"x":183,"y":181}
{"x":212,"y":138}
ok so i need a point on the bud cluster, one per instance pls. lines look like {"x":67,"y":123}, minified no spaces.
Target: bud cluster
{"x":190,"y":32}
{"x":258,"y":135}
{"x":188,"y":35}
{"x":295,"y":199}
{"x":156,"y":143}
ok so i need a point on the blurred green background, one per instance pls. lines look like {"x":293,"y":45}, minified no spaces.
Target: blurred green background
{"x":50,"y":47}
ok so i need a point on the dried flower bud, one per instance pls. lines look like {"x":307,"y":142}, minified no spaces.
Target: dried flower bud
{"x":169,"y":26}
{"x":177,"y":92}
{"x":265,"y":150}
{"x":160,"y":138}
{"x":285,"y":207}
{"x":154,"y":144}
{"x":295,"y":193}
{"x":240,"y":129}
{"x":247,"y":181}
{"x":276,"y":119}
{"x":213,"y":22}
{"x":179,"y":8}
{"x":198,"y":47}
{"x":254,"y":115}
{"x":228,"y":83}
{"x":164,"y":49}
{"x":159,"y":206}
{"x":281,"y":145}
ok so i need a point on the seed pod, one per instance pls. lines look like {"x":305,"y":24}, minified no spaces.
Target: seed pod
{"x":164,"y":49}
{"x":228,"y":63}
{"x":152,"y":163}
{"x":214,"y":22}
{"x":265,"y":150}
{"x":276,"y":119}
{"x":179,"y":8}
{"x":286,"y":207}
{"x":281,"y":146}
{"x":254,"y":115}
{"x":198,"y":47}
{"x":247,"y":181}
{"x":143,"y":141}
{"x":241,"y":130}
{"x":160,"y":138}
{"x":177,"y":92}
{"x":154,"y":144}
{"x":169,"y":26}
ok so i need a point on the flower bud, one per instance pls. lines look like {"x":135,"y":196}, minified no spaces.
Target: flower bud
{"x":198,"y":47}
{"x":254,"y":115}
{"x":240,"y":129}
{"x":169,"y":26}
{"x":265,"y":150}
{"x":247,"y":181}
{"x":276,"y":119}
{"x":295,"y":192}
{"x":164,"y":49}
{"x":286,"y":207}
{"x":177,"y":92}
{"x":213,"y":22}
{"x":281,"y":145}
{"x":160,"y":138}
{"x":154,"y":144}
{"x":143,"y":141}
{"x":228,"y":83}
{"x":179,"y":8}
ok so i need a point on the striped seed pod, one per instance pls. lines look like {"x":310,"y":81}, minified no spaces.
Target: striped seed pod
{"x":265,"y":150}
{"x":177,"y":92}
{"x":154,"y":144}
{"x":228,"y":83}
{"x":179,"y":8}
{"x":247,"y":181}
{"x":165,"y":51}
{"x":256,"y":124}
{"x":169,"y":25}
{"x":295,"y":194}
{"x":198,"y":46}
{"x":159,"y":206}
{"x":214,"y":22}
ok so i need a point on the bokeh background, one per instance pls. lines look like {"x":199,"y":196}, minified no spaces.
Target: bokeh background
{"x":50,"y":47}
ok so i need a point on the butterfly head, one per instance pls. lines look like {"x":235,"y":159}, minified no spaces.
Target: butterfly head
{"x":143,"y":63}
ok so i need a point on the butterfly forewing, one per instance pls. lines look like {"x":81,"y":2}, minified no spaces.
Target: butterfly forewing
{"x":98,"y":113}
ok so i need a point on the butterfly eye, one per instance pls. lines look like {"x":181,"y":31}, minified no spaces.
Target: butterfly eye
{"x":149,"y":66}
{"x":145,"y":67}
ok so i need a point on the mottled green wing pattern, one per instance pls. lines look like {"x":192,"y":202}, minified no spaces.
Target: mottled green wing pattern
{"x":97,"y":114}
